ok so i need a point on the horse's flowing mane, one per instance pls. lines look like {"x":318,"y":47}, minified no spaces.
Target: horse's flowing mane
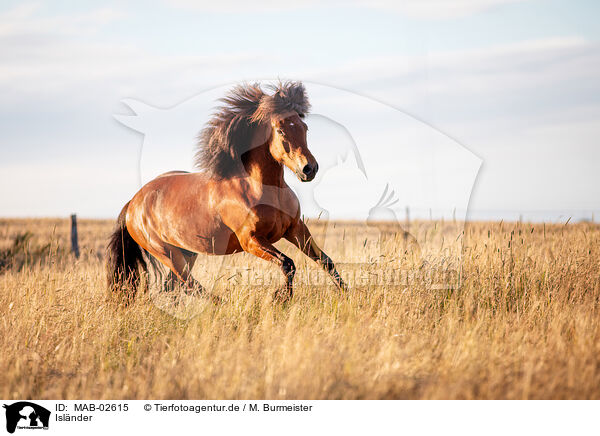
{"x":228,"y":134}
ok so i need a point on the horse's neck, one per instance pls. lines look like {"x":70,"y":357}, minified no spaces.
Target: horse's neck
{"x":262,"y":167}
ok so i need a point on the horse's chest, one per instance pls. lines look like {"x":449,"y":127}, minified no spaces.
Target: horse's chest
{"x":278,"y":227}
{"x":275,"y":218}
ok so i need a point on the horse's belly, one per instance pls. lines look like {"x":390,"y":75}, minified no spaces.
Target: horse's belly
{"x":219,"y":240}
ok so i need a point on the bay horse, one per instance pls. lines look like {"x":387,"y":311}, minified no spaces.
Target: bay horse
{"x":238,"y":201}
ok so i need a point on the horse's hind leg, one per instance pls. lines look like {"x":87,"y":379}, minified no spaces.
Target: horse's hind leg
{"x":192,"y":285}
{"x":180,"y":263}
{"x":170,"y":282}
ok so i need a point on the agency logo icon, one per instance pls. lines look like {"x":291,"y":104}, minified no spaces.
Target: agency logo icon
{"x":26,"y":415}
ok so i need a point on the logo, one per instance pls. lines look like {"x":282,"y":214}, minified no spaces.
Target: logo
{"x":26,"y":415}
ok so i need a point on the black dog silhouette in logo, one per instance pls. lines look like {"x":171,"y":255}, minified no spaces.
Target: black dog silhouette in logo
{"x":31,"y":412}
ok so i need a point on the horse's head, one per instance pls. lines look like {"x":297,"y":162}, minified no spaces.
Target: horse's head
{"x":288,"y":146}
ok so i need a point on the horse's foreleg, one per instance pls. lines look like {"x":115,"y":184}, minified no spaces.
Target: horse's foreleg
{"x":300,"y":236}
{"x":262,"y":248}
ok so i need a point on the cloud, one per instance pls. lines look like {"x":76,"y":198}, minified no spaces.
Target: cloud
{"x":30,"y":19}
{"x":48,"y":57}
{"x":418,"y":9}
{"x":437,"y":9}
{"x":45,"y":57}
{"x":521,"y":82}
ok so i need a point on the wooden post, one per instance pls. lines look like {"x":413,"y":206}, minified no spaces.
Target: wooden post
{"x":407,"y":223}
{"x":74,"y":242}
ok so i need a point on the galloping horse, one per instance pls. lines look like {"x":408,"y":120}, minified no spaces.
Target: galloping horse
{"x":238,"y":201}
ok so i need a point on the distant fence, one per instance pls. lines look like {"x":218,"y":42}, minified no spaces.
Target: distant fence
{"x":74,"y":240}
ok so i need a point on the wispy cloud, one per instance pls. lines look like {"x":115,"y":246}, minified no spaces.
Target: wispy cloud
{"x":440,"y":9}
{"x":476,"y":85}
{"x":48,"y":57}
{"x":419,"y":9}
{"x":30,"y":19}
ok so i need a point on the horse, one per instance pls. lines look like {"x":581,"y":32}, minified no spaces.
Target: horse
{"x":237,"y":201}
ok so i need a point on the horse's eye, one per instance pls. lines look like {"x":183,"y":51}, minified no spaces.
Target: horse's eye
{"x":279,"y":132}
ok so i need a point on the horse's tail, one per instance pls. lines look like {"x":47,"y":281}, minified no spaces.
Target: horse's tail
{"x":124,"y":262}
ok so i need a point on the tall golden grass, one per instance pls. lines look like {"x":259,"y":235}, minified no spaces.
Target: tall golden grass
{"x":523,"y":324}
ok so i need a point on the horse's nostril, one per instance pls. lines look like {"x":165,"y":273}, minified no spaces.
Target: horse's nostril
{"x":308,"y":170}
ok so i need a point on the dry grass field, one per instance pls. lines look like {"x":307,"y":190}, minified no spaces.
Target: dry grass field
{"x":524,"y":323}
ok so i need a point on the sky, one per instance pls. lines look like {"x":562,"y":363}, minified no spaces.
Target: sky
{"x":515,"y":83}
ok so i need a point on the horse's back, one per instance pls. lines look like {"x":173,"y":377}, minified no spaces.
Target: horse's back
{"x":172,"y":173}
{"x":176,"y":208}
{"x":173,"y":190}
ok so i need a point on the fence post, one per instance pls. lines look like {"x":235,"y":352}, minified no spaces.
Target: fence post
{"x":407,"y":223}
{"x":74,"y":242}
